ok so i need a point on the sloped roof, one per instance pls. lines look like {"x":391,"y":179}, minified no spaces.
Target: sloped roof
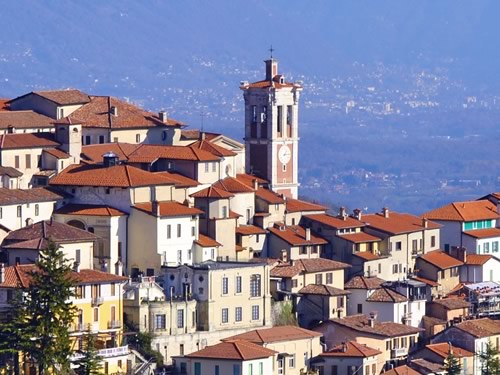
{"x":212,"y":192}
{"x":89,"y":210}
{"x":248,"y":230}
{"x":363,"y":282}
{"x":442,"y":350}
{"x":397,"y":223}
{"x":295,"y":235}
{"x":240,"y":350}
{"x":147,"y":153}
{"x":57,"y":153}
{"x":34,"y":195}
{"x":269,"y":196}
{"x":124,"y":176}
{"x":24,"y":120}
{"x":351,"y":349}
{"x":249,"y":180}
{"x":297,"y":205}
{"x":306,"y":266}
{"x":367,"y":256}
{"x":275,"y":334}
{"x":27,"y":140}
{"x":360,"y":237}
{"x":401,"y":370}
{"x":483,"y":233}
{"x":205,"y":241}
{"x":451,"y":303}
{"x":440,"y":259}
{"x":464,"y":211}
{"x":94,"y":153}
{"x":168,"y":209}
{"x":194,"y":134}
{"x":386,"y":295}
{"x":426,"y":281}
{"x":64,"y":97}
{"x":361,"y":323}
{"x":323,"y":290}
{"x":211,"y":147}
{"x":484,"y":327}
{"x":10,"y":171}
{"x":336,"y":222}
{"x":477,"y":259}
{"x":232,"y":185}
{"x":178,"y":179}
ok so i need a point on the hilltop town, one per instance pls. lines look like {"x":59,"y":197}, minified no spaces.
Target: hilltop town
{"x":202,"y":242}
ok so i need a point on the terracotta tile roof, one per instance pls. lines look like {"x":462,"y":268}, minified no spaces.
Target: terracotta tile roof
{"x":248,"y":230}
{"x":212,"y":148}
{"x":89,"y":210}
{"x":361,"y":323}
{"x":45,"y":173}
{"x":477,"y":259}
{"x":194,"y":134}
{"x":367,"y":256}
{"x":94,"y":153}
{"x":440,"y":259}
{"x":232,"y":185}
{"x":295,"y":235}
{"x":483,"y":233}
{"x":19,"y":196}
{"x":213,"y":193}
{"x":423,"y":366}
{"x":97,"y":114}
{"x":265,"y":84}
{"x":19,"y":276}
{"x":124,"y":176}
{"x":363,"y":282}
{"x":336,"y":222}
{"x":275,"y":334}
{"x":63,"y":97}
{"x":306,"y":266}
{"x":58,"y":232}
{"x":248,"y":179}
{"x":269,"y":261}
{"x":386,"y":295}
{"x":452,"y":303}
{"x":58,"y":154}
{"x":484,"y":327}
{"x":426,"y":281}
{"x":269,"y":196}
{"x":464,"y":211}
{"x":442,"y":350}
{"x":397,"y":223}
{"x":68,"y":120}
{"x":401,"y":370}
{"x":205,"y":241}
{"x":24,"y":120}
{"x":27,"y":140}
{"x":178,"y":179}
{"x":239,"y":248}
{"x":351,"y":349}
{"x":168,"y":209}
{"x":10,"y":171}
{"x":4,"y":104}
{"x":360,"y":237}
{"x":432,"y":321}
{"x":146,"y":153}
{"x":239,"y":350}
{"x":323,"y":290}
{"x":296,"y":205}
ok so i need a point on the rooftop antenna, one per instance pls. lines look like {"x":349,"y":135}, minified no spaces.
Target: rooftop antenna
{"x":271,"y":50}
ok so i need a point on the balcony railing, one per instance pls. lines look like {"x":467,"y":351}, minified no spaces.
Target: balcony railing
{"x":81,"y":327}
{"x":417,"y":297}
{"x":399,"y":352}
{"x":112,"y":324}
{"x":97,"y":301}
{"x":105,"y":353}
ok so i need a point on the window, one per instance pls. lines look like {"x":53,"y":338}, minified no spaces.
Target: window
{"x":238,"y":314}
{"x":197,"y":368}
{"x":78,"y":255}
{"x":19,"y":210}
{"x":280,"y":117}
{"x":225,"y":285}
{"x":360,"y":308}
{"x":398,"y":246}
{"x":238,"y":284}
{"x":96,"y":314}
{"x":318,"y":278}
{"x":37,"y":210}
{"x":380,"y":268}
{"x":433,"y":241}
{"x":225,"y":315}
{"x":80,"y":291}
{"x":236,"y":370}
{"x":367,"y":369}
{"x":214,"y":166}
{"x":87,"y":140}
{"x":254,"y":113}
{"x":294,"y":283}
{"x":255,"y":287}
{"x":179,"y":256}
{"x":101,"y":139}
{"x":113,"y":289}
{"x":160,"y":321}
{"x":206,"y":167}
{"x":28,"y":161}
{"x":180,"y":318}
{"x":250,"y":369}
{"x":442,"y":275}
{"x":261,"y":368}
{"x":115,"y":139}
{"x":314,"y":249}
{"x":1,"y":213}
{"x":224,"y":211}
{"x":303,"y":249}
{"x":394,"y":268}
{"x":255,"y":312}
{"x":335,"y":370}
{"x":494,"y":246}
{"x":169,"y":231}
{"x":291,"y":361}
{"x":181,"y":351}
{"x":179,"y":230}
{"x":193,"y":231}
{"x":138,"y":138}
{"x":16,"y":161}
{"x":414,"y":245}
{"x":217,"y":371}
{"x":486,"y":247}
{"x":374,"y":368}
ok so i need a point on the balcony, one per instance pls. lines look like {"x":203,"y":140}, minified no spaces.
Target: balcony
{"x":416,"y":253}
{"x":80,"y":327}
{"x":97,"y":301}
{"x":105,"y":353}
{"x":114,"y":324}
{"x":399,"y":352}
{"x":417,"y":297}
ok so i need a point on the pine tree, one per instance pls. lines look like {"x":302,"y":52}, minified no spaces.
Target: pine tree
{"x":90,"y":363}
{"x":490,"y":364}
{"x":41,"y":314}
{"x":452,"y":365}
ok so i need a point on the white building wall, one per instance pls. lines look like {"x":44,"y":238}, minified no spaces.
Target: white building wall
{"x":10,"y":219}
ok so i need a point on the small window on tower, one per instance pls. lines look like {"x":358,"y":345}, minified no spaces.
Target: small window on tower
{"x":254,"y":113}
{"x":284,"y":167}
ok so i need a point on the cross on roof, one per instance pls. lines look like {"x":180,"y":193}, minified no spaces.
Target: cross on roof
{"x":271,"y":50}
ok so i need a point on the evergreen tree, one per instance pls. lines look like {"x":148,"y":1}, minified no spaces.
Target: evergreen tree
{"x":41,"y":314}
{"x":90,"y":363}
{"x":452,"y":365}
{"x":490,"y":364}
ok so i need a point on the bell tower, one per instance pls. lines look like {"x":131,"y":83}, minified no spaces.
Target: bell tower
{"x":271,"y":130}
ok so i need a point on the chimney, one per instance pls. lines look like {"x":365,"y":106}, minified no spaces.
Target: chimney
{"x":308,"y":234}
{"x":344,"y":347}
{"x":342,"y":212}
{"x":29,"y":222}
{"x":284,"y":256}
{"x":114,"y":110}
{"x":104,"y":266}
{"x":425,"y":222}
{"x":255,"y":184}
{"x":2,"y":273}
{"x":385,"y":212}
{"x":76,"y":266}
{"x":271,"y":69}
{"x":450,"y":348}
{"x":155,"y":208}
{"x":119,"y":268}
{"x":163,"y":116}
{"x":371,"y":319}
{"x":202,"y":136}
{"x":357,"y":213}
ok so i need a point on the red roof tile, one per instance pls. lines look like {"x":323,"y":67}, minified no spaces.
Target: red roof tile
{"x":58,"y":154}
{"x":249,"y":180}
{"x":426,"y":281}
{"x":248,"y":230}
{"x":484,"y":327}
{"x":64,"y":97}
{"x":306,"y":266}
{"x":27,"y":140}
{"x":295,"y":235}
{"x":401,"y":370}
{"x":124,"y":176}
{"x":323,"y":290}
{"x":361,"y":323}
{"x":397,"y":223}
{"x":367,"y":256}
{"x":168,"y":209}
{"x":34,"y":195}
{"x":477,"y":259}
{"x":90,"y":210}
{"x":483,"y":233}
{"x":146,"y":153}
{"x":212,"y":148}
{"x":266,"y":84}
{"x":213,"y":193}
{"x":451,"y":303}
{"x":205,"y":241}
{"x":94,"y":153}
{"x":179,"y":179}
{"x":360,"y":237}
{"x":296,"y":205}
{"x":239,"y":350}
{"x":232,"y":185}
{"x":440,"y":259}
{"x":194,"y":134}
{"x":386,"y":295}
{"x":336,"y":222}
{"x":275,"y":334}
{"x":351,"y":349}
{"x":443,"y":349}
{"x":363,"y":282}
{"x":24,"y":120}
{"x":464,"y":211}
{"x":269,"y":196}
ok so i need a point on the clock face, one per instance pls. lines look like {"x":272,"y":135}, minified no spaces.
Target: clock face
{"x":284,"y":154}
